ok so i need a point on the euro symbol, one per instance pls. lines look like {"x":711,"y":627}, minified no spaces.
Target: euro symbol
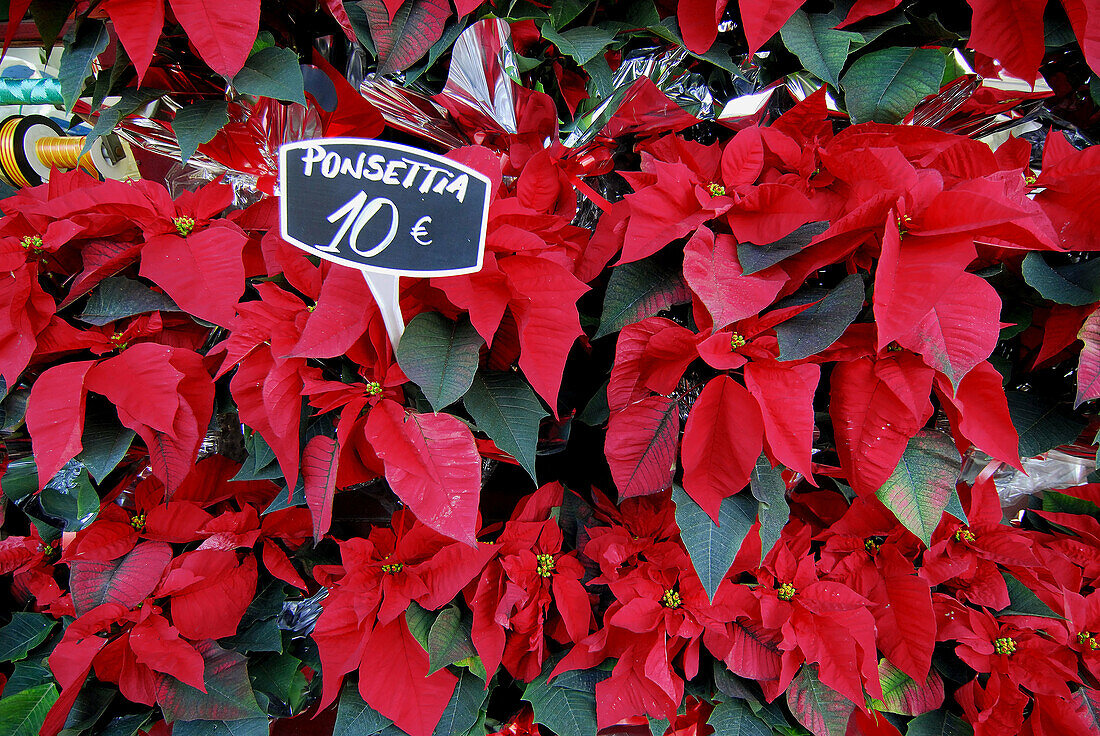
{"x":420,"y":231}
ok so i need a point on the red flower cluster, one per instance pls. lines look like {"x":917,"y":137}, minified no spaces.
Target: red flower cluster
{"x":144,"y":618}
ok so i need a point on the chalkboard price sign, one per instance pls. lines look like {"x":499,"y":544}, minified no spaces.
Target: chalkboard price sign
{"x":383,"y":207}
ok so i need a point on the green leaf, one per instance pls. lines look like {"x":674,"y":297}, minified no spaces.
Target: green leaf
{"x":354,"y":717}
{"x":463,"y":708}
{"x":939,"y":723}
{"x":20,"y":479}
{"x":261,"y":463}
{"x":811,"y":331}
{"x":228,"y":693}
{"x":420,"y":622}
{"x":729,"y":684}
{"x":563,"y":12}
{"x":91,"y":702}
{"x":713,"y":547}
{"x":735,"y":718}
{"x":767,"y":486}
{"x":1065,"y":503}
{"x":886,"y":85}
{"x":638,"y":290}
{"x":754,"y":258}
{"x":581,"y":44}
{"x":439,"y":356}
{"x":1053,"y":285}
{"x":28,"y":673}
{"x":658,"y":726}
{"x":118,"y":297}
{"x":902,"y":694}
{"x":871,"y":28}
{"x":264,"y":40}
{"x":601,"y":82}
{"x":1023,"y":601}
{"x":263,"y":635}
{"x":90,"y":41}
{"x":284,"y":500}
{"x":506,"y":408}
{"x":596,"y":412}
{"x":23,"y":633}
{"x":129,"y":101}
{"x":918,"y":490}
{"x":279,"y":678}
{"x":822,"y":49}
{"x":955,"y":508}
{"x":49,"y":18}
{"x":198,"y":123}
{"x":273,"y":72}
{"x":13,"y":409}
{"x":70,"y":498}
{"x":816,"y":705}
{"x":22,"y":714}
{"x":126,"y":725}
{"x":568,"y":706}
{"x":449,"y":640}
{"x":357,"y":15}
{"x":1041,"y":423}
{"x":105,"y":442}
{"x":244,"y":727}
{"x":107,"y":84}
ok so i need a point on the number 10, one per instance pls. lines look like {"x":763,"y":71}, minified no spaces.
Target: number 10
{"x":357,"y":212}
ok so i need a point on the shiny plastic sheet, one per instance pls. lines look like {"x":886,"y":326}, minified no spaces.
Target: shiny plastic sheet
{"x":1059,"y":468}
{"x":478,"y":101}
{"x":482,"y":101}
{"x":632,"y":105}
{"x":247,"y":146}
{"x":299,"y":617}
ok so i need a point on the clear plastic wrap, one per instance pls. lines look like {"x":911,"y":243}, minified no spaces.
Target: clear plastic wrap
{"x":247,"y":147}
{"x":1058,"y":468}
{"x":300,"y":616}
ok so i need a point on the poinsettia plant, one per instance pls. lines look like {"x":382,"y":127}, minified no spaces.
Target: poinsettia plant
{"x":769,"y":411}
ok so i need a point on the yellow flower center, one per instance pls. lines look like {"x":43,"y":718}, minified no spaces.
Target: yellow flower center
{"x":1004,"y":645}
{"x":716,"y":190}
{"x":964,"y":535}
{"x":671,"y":599}
{"x":374,"y":388}
{"x":786,"y":592}
{"x":184,"y":225}
{"x":545,"y":564}
{"x":32,"y":243}
{"x":871,"y":545}
{"x":736,"y":341}
{"x":392,"y":569}
{"x":137,"y":521}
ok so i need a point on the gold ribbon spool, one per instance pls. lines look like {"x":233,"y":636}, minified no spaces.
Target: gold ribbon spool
{"x":31,"y":146}
{"x":64,"y":153}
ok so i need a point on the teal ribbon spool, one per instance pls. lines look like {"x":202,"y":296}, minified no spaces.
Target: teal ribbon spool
{"x":30,"y":91}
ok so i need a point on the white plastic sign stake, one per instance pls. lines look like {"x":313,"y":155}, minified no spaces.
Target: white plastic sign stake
{"x":386,"y":209}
